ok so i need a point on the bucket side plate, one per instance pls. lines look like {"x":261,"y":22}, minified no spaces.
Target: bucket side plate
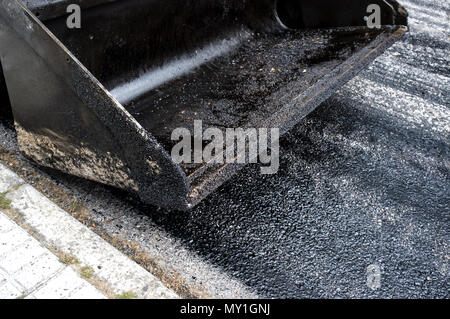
{"x":66,"y":120}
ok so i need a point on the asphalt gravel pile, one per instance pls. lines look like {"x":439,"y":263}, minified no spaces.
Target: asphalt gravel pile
{"x":364,"y":184}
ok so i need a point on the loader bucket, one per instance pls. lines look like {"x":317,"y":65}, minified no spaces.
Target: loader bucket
{"x":102,"y":101}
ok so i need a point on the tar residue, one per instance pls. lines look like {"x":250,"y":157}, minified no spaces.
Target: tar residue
{"x":236,"y":88}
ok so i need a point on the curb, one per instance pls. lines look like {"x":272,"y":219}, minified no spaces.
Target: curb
{"x":109,"y":270}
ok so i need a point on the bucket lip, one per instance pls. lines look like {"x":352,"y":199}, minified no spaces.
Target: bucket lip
{"x":215,"y":175}
{"x":134,"y":141}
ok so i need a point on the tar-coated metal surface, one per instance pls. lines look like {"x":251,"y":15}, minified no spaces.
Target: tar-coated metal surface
{"x":364,"y":180}
{"x":258,"y":79}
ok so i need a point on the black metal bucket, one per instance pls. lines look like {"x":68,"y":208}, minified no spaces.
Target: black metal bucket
{"x":101,"y":101}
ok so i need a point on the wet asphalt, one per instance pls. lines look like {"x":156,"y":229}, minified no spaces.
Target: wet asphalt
{"x":364,"y":182}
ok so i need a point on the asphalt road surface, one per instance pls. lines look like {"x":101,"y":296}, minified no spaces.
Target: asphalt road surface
{"x":364,"y":184}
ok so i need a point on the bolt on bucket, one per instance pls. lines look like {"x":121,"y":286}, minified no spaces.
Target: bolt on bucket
{"x":97,"y":87}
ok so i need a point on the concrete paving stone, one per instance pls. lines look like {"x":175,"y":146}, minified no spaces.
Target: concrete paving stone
{"x":9,"y":291}
{"x":86,"y":292}
{"x":8,"y":179}
{"x":25,"y":265}
{"x":15,"y":235}
{"x":6,"y":224}
{"x":25,"y":254}
{"x":60,"y":286}
{"x":116,"y":269}
{"x":9,"y":287}
{"x":23,"y":257}
{"x":11,"y":235}
{"x":4,"y":276}
{"x":7,"y":246}
{"x":43,"y":268}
